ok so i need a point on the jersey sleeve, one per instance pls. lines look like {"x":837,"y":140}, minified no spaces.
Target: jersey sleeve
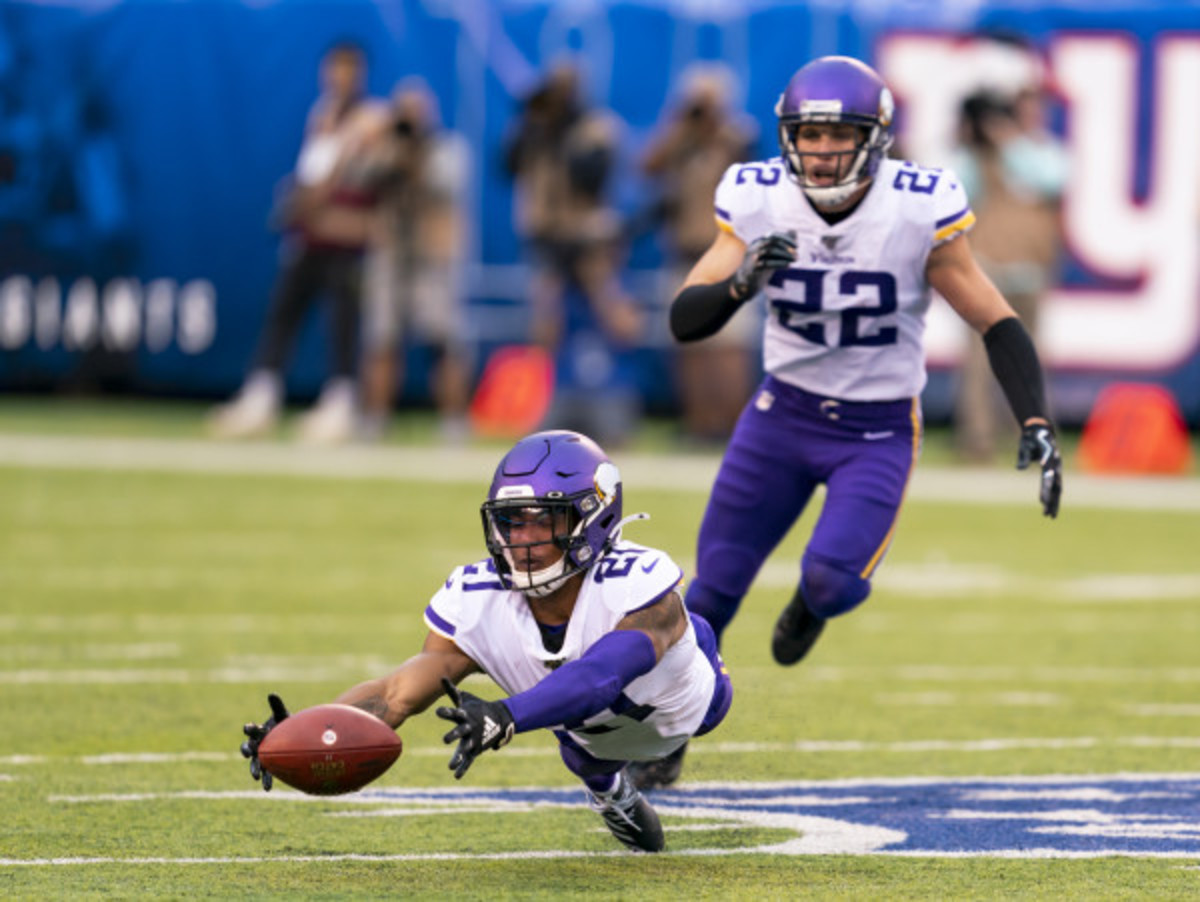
{"x":740,"y":201}
{"x":635,"y":577}
{"x":722,"y":206}
{"x":952,"y":211}
{"x":452,"y":610}
{"x":443,"y":614}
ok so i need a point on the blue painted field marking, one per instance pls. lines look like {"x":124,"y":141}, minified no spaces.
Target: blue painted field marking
{"x":1067,"y":816}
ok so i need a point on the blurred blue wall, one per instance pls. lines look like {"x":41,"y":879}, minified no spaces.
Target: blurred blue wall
{"x":140,"y":143}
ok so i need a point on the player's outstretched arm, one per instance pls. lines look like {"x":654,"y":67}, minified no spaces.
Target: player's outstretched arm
{"x":414,"y":685}
{"x":953,"y":271}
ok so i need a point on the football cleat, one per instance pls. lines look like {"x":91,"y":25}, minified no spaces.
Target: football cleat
{"x":659,"y":773}
{"x":796,"y":631}
{"x":629,"y":816}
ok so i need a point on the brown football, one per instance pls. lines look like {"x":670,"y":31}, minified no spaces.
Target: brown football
{"x":329,"y":749}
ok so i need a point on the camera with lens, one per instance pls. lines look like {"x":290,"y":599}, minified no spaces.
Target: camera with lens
{"x":403,"y":127}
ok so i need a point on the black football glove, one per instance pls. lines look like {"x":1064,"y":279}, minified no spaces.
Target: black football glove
{"x":257,"y":733}
{"x":1038,"y":444}
{"x":480,"y":725}
{"x":763,"y":257}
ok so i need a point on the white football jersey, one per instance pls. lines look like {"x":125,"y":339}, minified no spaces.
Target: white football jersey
{"x":495,"y":628}
{"x":847,"y":320}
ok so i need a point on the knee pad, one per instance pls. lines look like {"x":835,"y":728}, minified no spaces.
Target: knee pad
{"x":830,"y":590}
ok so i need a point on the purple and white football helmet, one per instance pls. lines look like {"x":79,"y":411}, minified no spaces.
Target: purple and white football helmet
{"x":561,"y":479}
{"x":836,"y":89}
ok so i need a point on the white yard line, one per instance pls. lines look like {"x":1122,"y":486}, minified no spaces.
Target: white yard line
{"x":941,"y":580}
{"x":679,"y":472}
{"x":315,"y":673}
{"x":809,"y":747}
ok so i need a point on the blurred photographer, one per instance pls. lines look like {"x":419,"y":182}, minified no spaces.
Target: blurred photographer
{"x":325,"y":209}
{"x":685,"y":158}
{"x":561,"y":157}
{"x":414,"y":287}
{"x":1014,"y":171}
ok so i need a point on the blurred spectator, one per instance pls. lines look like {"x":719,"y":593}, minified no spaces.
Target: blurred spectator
{"x":414,"y":268}
{"x":687,"y":158}
{"x":326,"y":211}
{"x":1014,"y":170}
{"x":561,"y":157}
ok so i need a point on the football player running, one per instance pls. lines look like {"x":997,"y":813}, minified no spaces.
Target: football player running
{"x":585,"y":632}
{"x":845,"y":246}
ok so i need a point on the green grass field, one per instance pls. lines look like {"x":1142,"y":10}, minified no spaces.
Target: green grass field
{"x":155,"y":589}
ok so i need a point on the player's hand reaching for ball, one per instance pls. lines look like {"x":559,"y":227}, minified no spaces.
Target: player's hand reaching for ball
{"x":480,"y":725}
{"x":256,"y":733}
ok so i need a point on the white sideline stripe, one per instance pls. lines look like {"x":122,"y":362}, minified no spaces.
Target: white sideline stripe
{"x":395,"y":796}
{"x":157,"y":757}
{"x":96,"y":651}
{"x":937,"y":581}
{"x":1164,"y":710}
{"x":818,"y":673}
{"x":123,"y":676}
{"x":814,"y":747}
{"x":680,"y":472}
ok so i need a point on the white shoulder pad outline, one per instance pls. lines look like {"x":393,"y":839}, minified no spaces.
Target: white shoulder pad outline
{"x":741,"y":193}
{"x":450,"y":609}
{"x":951,"y":211}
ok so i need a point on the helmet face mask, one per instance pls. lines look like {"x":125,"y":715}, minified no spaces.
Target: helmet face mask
{"x":834,"y":91}
{"x":553,"y":509}
{"x":535,"y":538}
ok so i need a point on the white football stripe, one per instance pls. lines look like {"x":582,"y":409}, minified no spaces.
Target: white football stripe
{"x":818,"y":747}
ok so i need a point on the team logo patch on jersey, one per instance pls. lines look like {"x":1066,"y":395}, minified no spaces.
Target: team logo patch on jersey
{"x":764,"y":401}
{"x":1029,"y":817}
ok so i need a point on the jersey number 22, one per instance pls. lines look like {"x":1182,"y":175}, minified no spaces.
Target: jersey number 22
{"x":855,"y":321}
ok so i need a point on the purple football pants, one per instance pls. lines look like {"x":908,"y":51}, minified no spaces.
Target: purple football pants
{"x":786,"y":443}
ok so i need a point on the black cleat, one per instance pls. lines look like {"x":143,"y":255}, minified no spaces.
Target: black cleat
{"x":659,"y":773}
{"x":629,"y":816}
{"x":796,"y":632}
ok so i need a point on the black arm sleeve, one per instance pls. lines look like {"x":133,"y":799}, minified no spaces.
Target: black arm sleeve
{"x":1014,"y":360}
{"x":701,"y":310}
